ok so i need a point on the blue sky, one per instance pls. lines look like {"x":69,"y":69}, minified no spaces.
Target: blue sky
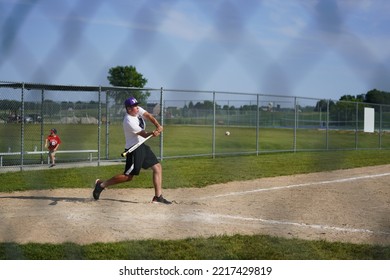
{"x":308,"y":48}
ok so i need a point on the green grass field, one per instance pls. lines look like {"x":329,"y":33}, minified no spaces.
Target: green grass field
{"x":200,"y":172}
{"x":179,"y":141}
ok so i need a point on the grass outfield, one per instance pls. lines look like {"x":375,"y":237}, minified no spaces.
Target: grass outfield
{"x":200,"y":172}
{"x":181,"y":141}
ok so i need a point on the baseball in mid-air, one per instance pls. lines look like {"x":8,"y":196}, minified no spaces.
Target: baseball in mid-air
{"x":227,"y":133}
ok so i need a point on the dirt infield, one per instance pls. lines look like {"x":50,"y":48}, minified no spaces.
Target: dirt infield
{"x":348,"y":206}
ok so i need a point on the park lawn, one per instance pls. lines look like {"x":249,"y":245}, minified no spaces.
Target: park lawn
{"x":200,"y":171}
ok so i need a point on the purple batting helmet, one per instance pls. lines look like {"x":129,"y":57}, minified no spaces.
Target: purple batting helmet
{"x":130,"y":102}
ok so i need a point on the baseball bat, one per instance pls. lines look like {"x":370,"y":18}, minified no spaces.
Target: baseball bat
{"x":135,"y":146}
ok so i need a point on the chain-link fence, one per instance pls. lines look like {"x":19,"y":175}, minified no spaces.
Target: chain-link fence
{"x":89,"y":123}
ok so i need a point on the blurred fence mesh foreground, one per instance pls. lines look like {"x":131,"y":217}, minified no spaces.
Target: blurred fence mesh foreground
{"x":89,"y":122}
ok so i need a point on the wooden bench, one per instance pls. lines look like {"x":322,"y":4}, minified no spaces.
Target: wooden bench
{"x":90,"y":152}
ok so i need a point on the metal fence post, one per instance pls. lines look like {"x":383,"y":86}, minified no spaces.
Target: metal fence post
{"x":295,"y":124}
{"x":380,"y":127}
{"x":214,"y":121}
{"x":257,"y":123}
{"x":99,"y":123}
{"x":42,"y":122}
{"x":107,"y":128}
{"x":327,"y":124}
{"x":356,"y":125}
{"x":22,"y":129}
{"x":162,"y":123}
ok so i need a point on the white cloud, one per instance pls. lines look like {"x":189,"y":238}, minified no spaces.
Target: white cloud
{"x":184,"y":26}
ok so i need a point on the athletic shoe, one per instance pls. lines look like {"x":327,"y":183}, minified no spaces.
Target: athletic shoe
{"x":160,"y":199}
{"x":98,"y":189}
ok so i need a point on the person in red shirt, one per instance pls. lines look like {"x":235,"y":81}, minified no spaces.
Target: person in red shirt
{"x":53,"y":141}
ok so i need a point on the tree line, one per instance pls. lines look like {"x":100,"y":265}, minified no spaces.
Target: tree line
{"x":128,"y":76}
{"x":373,"y":96}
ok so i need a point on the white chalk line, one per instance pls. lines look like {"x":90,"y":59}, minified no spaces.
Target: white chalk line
{"x":313,"y":226}
{"x":299,"y":185}
{"x":285,"y":223}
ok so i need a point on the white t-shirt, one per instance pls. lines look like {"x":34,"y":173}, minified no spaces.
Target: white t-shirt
{"x":133,"y":125}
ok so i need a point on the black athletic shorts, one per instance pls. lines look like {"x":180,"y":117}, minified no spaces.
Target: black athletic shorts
{"x":142,"y":157}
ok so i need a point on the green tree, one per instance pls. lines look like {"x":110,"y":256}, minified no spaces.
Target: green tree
{"x":358,"y":98}
{"x":377,"y":97}
{"x":206,"y":105}
{"x":127,"y":76}
{"x":322,"y":105}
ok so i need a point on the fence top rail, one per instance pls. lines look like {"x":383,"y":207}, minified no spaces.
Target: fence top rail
{"x":99,"y":88}
{"x":33,"y":86}
{"x":44,"y":152}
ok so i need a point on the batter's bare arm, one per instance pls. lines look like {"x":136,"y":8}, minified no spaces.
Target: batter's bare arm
{"x":145,"y":134}
{"x":153,"y":120}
